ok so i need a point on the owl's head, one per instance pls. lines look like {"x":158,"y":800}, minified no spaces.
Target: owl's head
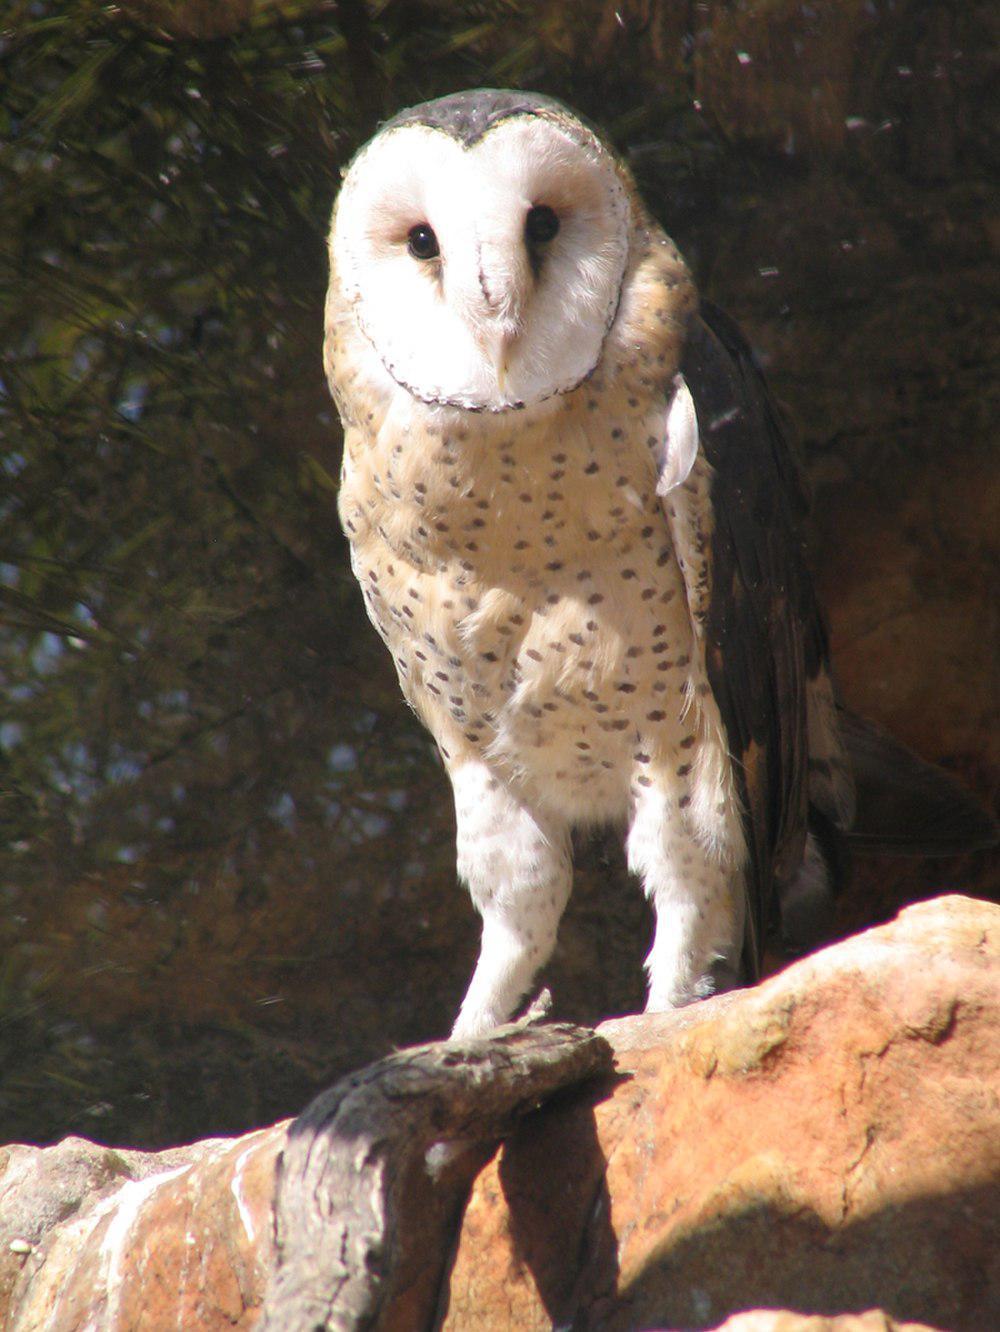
{"x":481,"y":243}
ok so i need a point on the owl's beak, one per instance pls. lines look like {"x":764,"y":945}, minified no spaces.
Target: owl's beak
{"x":498,"y":340}
{"x":504,"y":281}
{"x":504,"y":345}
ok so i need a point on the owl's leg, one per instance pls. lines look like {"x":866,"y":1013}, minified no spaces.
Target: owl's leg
{"x":698,"y":900}
{"x":516,"y":863}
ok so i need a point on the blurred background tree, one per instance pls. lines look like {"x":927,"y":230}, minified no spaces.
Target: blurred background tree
{"x":227,"y":872}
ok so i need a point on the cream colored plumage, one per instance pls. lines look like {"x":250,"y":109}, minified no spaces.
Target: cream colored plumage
{"x":531,"y":522}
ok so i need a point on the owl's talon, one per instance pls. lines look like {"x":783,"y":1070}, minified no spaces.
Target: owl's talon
{"x":539,"y":1008}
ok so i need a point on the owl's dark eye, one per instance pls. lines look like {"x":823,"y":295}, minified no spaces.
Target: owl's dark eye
{"x":541,"y":224}
{"x":421,"y":242}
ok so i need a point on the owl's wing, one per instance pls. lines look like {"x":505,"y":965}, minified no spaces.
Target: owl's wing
{"x":797,"y":757}
{"x":764,"y":639}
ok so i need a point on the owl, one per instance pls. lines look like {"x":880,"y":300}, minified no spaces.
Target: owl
{"x":575,"y":523}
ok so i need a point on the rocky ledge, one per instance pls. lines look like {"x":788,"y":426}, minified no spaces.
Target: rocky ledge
{"x":827,"y":1143}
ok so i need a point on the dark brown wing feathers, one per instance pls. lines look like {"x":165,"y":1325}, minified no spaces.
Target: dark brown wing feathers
{"x":767,"y":650}
{"x":765,"y":636}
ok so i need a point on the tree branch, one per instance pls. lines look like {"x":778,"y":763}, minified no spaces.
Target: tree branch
{"x":376,"y":1172}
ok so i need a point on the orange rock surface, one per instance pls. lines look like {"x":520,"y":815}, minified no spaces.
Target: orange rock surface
{"x":95,"y":1238}
{"x":828,"y":1142}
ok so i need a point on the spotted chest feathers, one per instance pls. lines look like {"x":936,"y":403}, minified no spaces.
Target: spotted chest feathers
{"x":542,"y":607}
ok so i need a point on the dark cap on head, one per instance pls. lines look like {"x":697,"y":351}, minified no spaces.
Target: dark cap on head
{"x":468,"y":115}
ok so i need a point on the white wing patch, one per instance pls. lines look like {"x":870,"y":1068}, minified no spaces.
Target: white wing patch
{"x":679,"y":448}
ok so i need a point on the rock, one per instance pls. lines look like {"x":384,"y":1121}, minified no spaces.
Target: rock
{"x":102,"y":1239}
{"x":826,"y":1142}
{"x":362,"y":1227}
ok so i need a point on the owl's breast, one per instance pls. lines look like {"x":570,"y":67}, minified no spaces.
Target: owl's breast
{"x":533,"y":603}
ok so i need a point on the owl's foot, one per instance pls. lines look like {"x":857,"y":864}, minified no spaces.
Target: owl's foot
{"x":508,"y":960}
{"x":473,"y":1025}
{"x":695,"y":950}
{"x":723,"y":975}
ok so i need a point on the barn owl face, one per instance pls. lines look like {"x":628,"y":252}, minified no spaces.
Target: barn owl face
{"x":484,"y":268}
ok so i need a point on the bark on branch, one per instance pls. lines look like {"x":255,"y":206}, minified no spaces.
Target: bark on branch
{"x":376,"y":1172}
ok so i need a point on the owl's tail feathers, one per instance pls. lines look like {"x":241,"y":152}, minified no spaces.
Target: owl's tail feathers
{"x":807,"y":901}
{"x":906,"y":805}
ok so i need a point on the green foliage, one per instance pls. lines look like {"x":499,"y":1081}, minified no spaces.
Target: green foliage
{"x":181,"y":704}
{"x":165,"y":255}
